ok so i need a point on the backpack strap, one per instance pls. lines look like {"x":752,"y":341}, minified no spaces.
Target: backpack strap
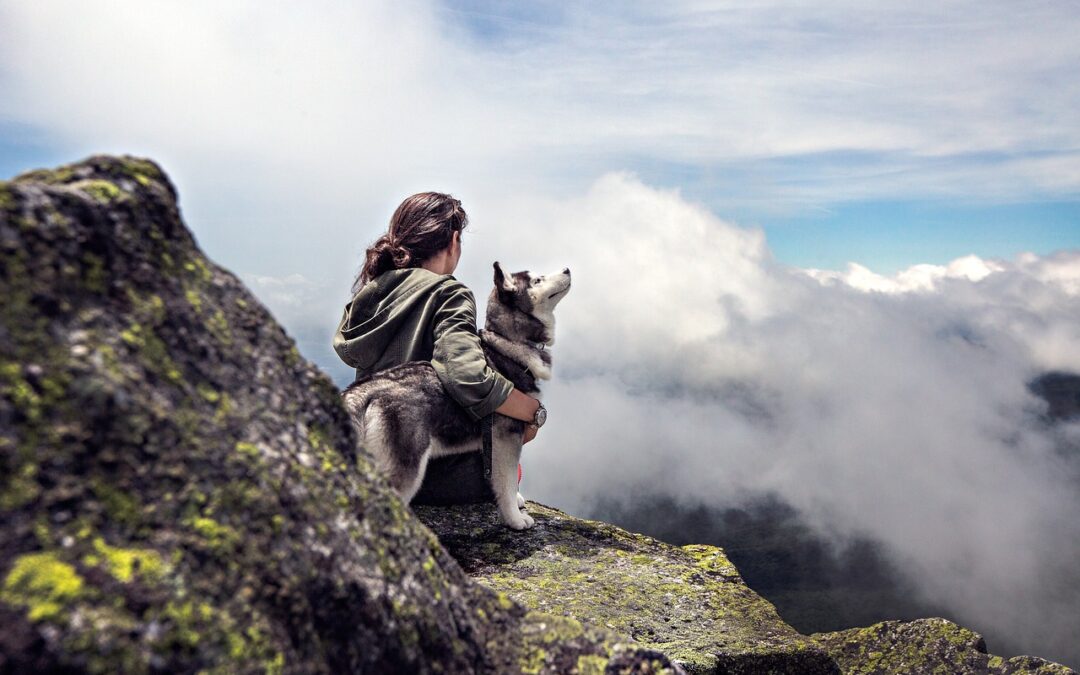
{"x":485,"y":443}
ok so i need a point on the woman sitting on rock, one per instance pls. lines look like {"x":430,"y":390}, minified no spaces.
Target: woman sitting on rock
{"x":407,"y":306}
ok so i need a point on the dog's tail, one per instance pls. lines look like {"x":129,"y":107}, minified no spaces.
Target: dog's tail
{"x":357,"y":398}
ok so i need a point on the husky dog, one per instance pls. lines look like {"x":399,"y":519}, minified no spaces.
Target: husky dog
{"x":404,"y":417}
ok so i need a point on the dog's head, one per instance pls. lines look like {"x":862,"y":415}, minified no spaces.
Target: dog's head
{"x":534,"y":295}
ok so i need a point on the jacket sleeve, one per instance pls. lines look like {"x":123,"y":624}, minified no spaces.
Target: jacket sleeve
{"x":458,"y":357}
{"x":340,"y":343}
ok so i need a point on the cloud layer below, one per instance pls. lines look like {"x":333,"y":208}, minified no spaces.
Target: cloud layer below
{"x":689,"y":363}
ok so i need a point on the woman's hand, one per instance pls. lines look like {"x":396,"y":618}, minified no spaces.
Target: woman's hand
{"x":519,"y":406}
{"x":529,"y":433}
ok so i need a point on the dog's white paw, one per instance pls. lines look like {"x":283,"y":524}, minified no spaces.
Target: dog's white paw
{"x":521,"y":501}
{"x":522,"y":521}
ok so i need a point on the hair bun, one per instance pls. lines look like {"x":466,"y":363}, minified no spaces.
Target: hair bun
{"x":401,"y":257}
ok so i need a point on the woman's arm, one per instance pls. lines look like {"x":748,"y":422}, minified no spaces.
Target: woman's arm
{"x":519,"y":406}
{"x":462,"y":367}
{"x":459,"y":359}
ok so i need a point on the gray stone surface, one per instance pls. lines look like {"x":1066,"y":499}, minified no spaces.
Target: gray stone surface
{"x":179,"y":489}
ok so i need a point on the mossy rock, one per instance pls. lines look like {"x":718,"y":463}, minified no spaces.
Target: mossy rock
{"x":931,"y":646}
{"x":180,"y":491}
{"x":689,"y":603}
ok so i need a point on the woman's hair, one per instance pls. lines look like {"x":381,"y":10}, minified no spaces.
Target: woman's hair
{"x":422,"y":225}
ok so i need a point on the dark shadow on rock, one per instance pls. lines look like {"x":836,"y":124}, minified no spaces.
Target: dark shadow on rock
{"x":476,"y":537}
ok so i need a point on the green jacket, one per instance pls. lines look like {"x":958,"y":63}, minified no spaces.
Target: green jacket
{"x":416,"y":315}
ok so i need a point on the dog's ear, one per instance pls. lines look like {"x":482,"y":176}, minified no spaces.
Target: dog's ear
{"x":503,"y":282}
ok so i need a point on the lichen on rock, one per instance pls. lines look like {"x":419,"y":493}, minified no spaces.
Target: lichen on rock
{"x":42,"y":583}
{"x":932,"y":645}
{"x":181,"y":491}
{"x":689,"y":603}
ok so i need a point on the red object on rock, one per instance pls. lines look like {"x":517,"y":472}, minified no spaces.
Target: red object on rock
{"x":519,"y":474}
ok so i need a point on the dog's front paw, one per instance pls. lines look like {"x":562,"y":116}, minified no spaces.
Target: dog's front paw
{"x":522,"y":521}
{"x":521,"y":501}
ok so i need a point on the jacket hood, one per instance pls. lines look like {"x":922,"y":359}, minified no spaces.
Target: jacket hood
{"x":378,"y":311}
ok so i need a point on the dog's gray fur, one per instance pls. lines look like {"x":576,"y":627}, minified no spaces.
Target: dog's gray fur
{"x":403,"y":416}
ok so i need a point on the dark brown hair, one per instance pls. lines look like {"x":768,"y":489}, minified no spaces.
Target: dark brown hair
{"x":422,"y":225}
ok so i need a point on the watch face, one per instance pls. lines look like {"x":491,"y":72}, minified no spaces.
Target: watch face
{"x":541,"y":416}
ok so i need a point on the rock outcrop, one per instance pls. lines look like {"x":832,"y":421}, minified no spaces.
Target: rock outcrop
{"x":179,"y":488}
{"x":180,"y":491}
{"x":689,"y":603}
{"x":924,"y":646}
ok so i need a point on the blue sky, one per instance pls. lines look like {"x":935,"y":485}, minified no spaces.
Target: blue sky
{"x":887,"y":136}
{"x":886,"y":234}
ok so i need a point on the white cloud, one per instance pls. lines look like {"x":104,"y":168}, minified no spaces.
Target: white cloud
{"x":689,"y":363}
{"x":353,"y":100}
{"x":292,"y":291}
{"x":921,"y":277}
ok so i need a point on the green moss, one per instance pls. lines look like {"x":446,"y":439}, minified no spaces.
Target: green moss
{"x":148,"y":309}
{"x":533,"y":659}
{"x":56,"y":176}
{"x":141,"y":170}
{"x":153,"y":350}
{"x":42,"y":533}
{"x":922,"y":645}
{"x":188,"y":619}
{"x":505,"y":603}
{"x":43,"y":584}
{"x":556,"y":628}
{"x":94,"y":277}
{"x":224,"y":408}
{"x":7,"y":197}
{"x":249,"y":450}
{"x":199,"y":269}
{"x":591,"y":664}
{"x":19,"y":391}
{"x":218,"y":326}
{"x":208,"y":393}
{"x":689,"y":604}
{"x":316,"y":436}
{"x":21,"y":488}
{"x":124,"y":563}
{"x":101,"y":190}
{"x":194,"y":299}
{"x":275,"y":665}
{"x":119,"y":506}
{"x":712,"y":559}
{"x":218,"y":537}
{"x":329,"y":458}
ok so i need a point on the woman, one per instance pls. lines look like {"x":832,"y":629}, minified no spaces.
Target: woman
{"x":407,"y":306}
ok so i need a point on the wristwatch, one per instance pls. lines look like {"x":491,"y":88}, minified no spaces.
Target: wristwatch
{"x":540,"y":416}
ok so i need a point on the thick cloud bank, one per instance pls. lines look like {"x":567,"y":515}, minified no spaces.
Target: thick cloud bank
{"x":689,"y":363}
